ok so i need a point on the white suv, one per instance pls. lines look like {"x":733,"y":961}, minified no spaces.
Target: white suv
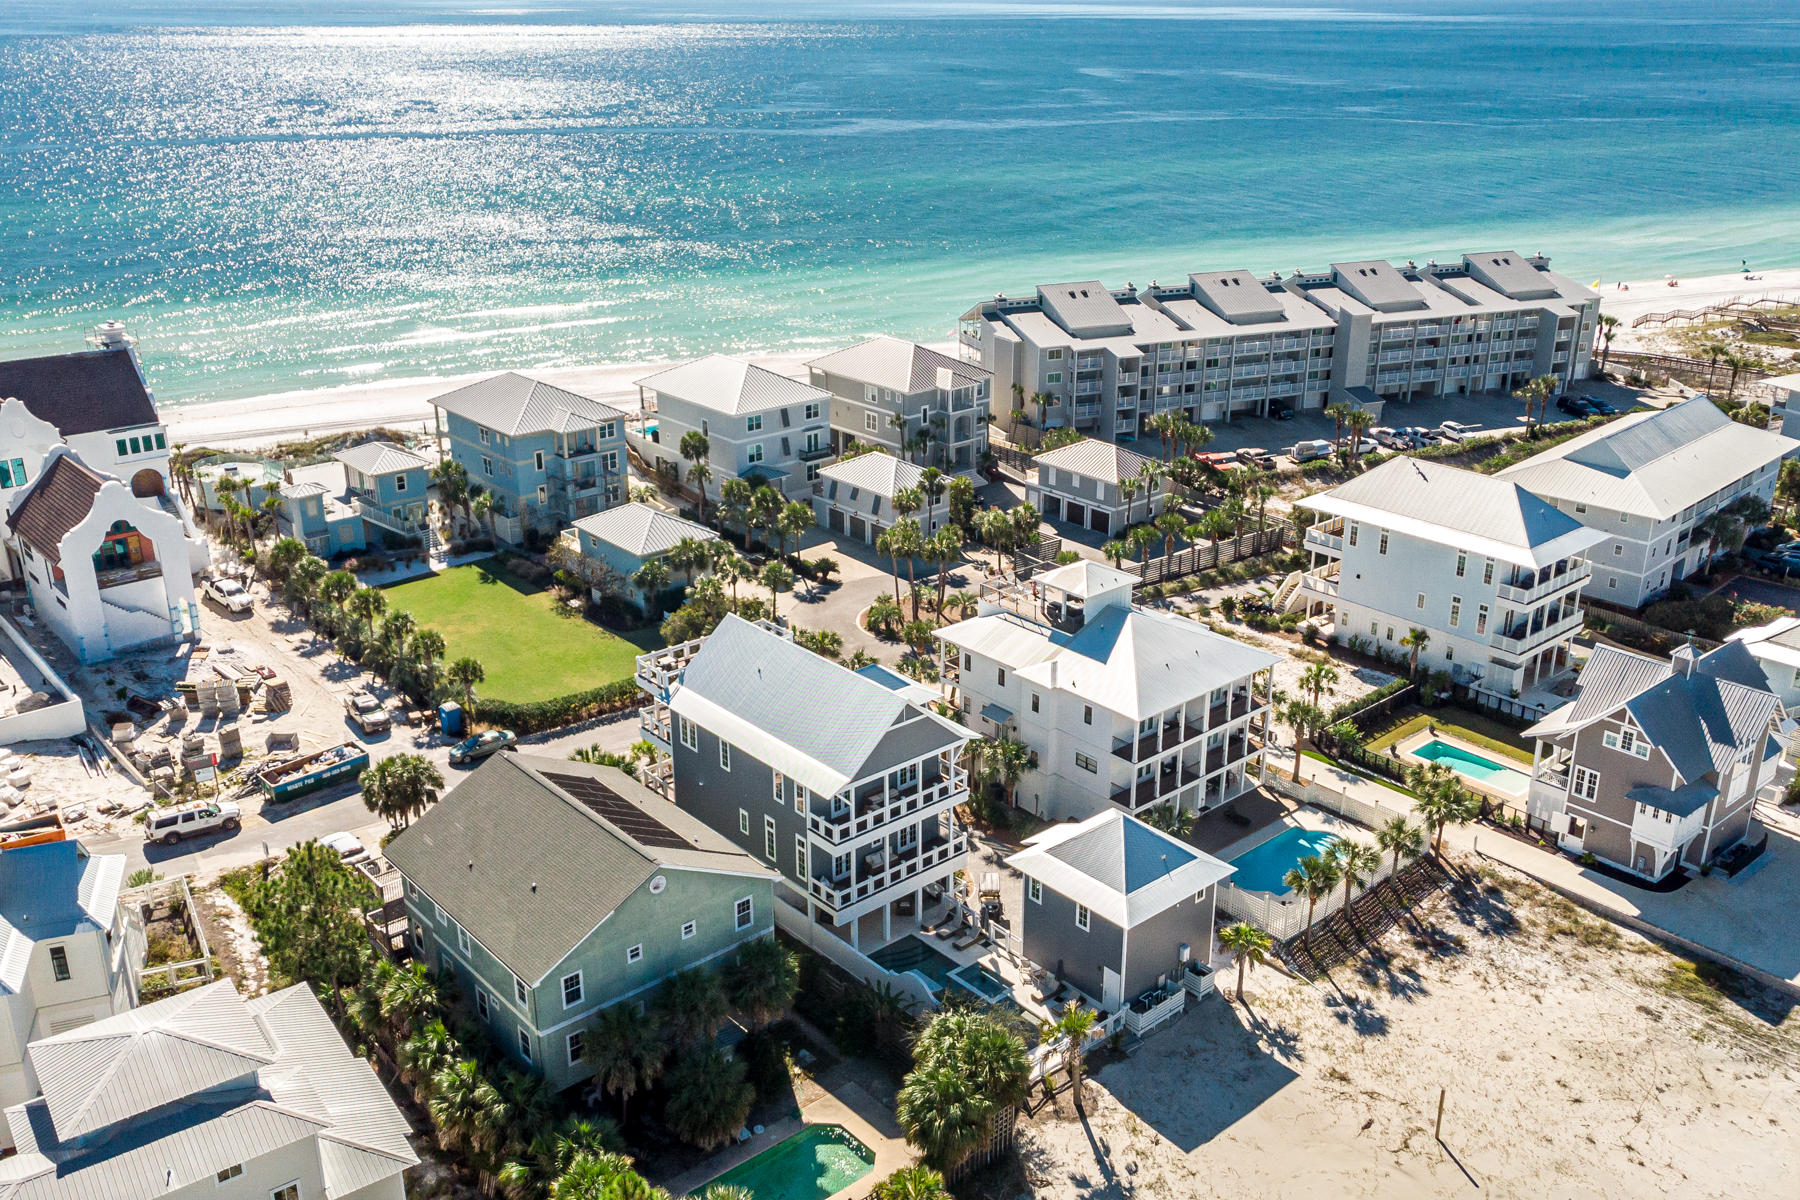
{"x":170,"y":825}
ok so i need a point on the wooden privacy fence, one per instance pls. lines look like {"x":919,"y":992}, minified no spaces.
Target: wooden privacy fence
{"x":1204,"y":557}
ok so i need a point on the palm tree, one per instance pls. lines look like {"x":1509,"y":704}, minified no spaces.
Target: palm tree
{"x":1355,"y":861}
{"x":335,"y":587}
{"x":792,"y":522}
{"x":452,"y":480}
{"x":763,"y":981}
{"x":1737,"y":363}
{"x":1441,"y":800}
{"x":1075,"y":1023}
{"x":481,"y":509}
{"x":407,"y":996}
{"x":1339,"y":412}
{"x":651,"y":579}
{"x":1149,"y":475}
{"x":1415,"y":641}
{"x":1249,"y":945}
{"x":765,"y":510}
{"x":961,"y":491}
{"x":1355,"y":422}
{"x":944,"y":548}
{"x":1400,"y":837}
{"x":1140,"y":538}
{"x":366,"y":605}
{"x":692,"y":1006}
{"x":700,"y":474}
{"x":884,"y":614}
{"x":463,"y":675}
{"x":778,"y":578}
{"x":1320,"y":678}
{"x":1171,"y":525}
{"x":1115,"y":550}
{"x":908,"y":1183}
{"x":302,"y":586}
{"x":1608,"y":324}
{"x":400,"y":788}
{"x":943,"y":1114}
{"x":709,"y":1097}
{"x":695,"y":447}
{"x":1302,"y":718}
{"x":1128,"y":489}
{"x":1024,"y":520}
{"x":907,"y":541}
{"x":1006,"y":762}
{"x":997,"y":530}
{"x":1714,"y":351}
{"x":428,"y":647}
{"x":690,"y":556}
{"x":626,"y":1049}
{"x":963,"y":604}
{"x":465,"y":1107}
{"x":734,"y":505}
{"x":1312,"y":877}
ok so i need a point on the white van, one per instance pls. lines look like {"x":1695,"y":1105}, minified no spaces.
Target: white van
{"x":1307,"y":451}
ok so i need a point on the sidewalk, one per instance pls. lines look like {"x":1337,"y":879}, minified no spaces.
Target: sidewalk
{"x":1730,"y":917}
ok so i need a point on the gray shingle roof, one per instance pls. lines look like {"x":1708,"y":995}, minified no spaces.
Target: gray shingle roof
{"x":1682,"y":801}
{"x":809,"y":718}
{"x":84,"y":392}
{"x":642,"y":530}
{"x":1449,"y":506}
{"x":481,"y":849}
{"x":382,"y":458}
{"x":730,"y":385}
{"x":51,"y":891}
{"x":517,"y":405}
{"x":1652,"y":464}
{"x":1119,"y":867}
{"x":1095,"y":460}
{"x":894,"y":363}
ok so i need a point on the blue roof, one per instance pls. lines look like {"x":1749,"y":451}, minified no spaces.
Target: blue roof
{"x":1124,"y":855}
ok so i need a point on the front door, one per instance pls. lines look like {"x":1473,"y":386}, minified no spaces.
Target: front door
{"x":1112,"y":989}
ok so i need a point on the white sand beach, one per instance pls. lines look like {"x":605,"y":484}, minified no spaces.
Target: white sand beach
{"x":403,"y":403}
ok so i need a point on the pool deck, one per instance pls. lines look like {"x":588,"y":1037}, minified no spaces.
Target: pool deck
{"x":1404,"y":750}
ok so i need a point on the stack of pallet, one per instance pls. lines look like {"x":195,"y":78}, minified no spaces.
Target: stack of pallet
{"x":277,"y":697}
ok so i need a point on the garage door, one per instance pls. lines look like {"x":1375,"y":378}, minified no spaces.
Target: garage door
{"x":1100,"y":520}
{"x":836,"y":521}
{"x":1053,"y":506}
{"x":1077,"y":513}
{"x":857,"y":529}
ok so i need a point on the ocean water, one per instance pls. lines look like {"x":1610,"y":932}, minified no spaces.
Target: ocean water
{"x":318,"y":194}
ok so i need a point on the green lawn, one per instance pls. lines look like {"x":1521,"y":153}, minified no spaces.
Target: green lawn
{"x":531,"y":648}
{"x":1470,"y":727}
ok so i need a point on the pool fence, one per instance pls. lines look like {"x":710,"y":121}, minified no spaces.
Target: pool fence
{"x":829,"y":945}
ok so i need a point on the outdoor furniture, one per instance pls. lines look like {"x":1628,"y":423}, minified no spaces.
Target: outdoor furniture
{"x":946,"y":931}
{"x":975,"y":935}
{"x":1049,"y":996}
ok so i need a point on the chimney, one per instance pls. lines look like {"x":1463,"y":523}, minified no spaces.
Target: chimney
{"x":1683,"y":660}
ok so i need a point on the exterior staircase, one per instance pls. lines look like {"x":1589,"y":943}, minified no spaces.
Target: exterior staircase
{"x":1286,"y":591}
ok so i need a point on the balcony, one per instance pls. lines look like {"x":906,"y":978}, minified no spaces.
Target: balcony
{"x":873,"y":812}
{"x":813,"y":453}
{"x":1244,"y":348}
{"x":1530,"y":587}
{"x":1327,"y":537}
{"x":655,"y":723}
{"x":1155,"y":742}
{"x":903,"y":866}
{"x":1290,"y":343}
{"x":1521,"y":639}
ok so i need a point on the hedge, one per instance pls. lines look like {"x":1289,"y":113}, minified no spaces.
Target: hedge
{"x":558,"y":711}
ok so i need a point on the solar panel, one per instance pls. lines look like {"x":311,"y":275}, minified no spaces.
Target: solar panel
{"x":625,"y":816}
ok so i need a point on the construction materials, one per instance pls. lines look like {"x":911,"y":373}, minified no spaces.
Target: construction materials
{"x":310,"y":772}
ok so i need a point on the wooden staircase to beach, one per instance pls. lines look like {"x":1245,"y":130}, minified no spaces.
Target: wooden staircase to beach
{"x":1346,"y":934}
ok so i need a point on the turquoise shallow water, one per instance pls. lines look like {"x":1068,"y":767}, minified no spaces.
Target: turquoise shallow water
{"x":1261,"y":868}
{"x":1474,"y":766}
{"x":326,"y":193}
{"x":815,"y":1163}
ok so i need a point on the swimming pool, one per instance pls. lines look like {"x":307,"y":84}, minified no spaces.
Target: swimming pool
{"x":817,"y":1162}
{"x":1470,"y":765}
{"x":1260,"y":868}
{"x":983,"y":982}
{"x":914,"y":953}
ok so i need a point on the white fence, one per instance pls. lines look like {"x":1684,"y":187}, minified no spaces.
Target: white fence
{"x":61,"y":718}
{"x":1332,"y":800}
{"x":822,"y":941}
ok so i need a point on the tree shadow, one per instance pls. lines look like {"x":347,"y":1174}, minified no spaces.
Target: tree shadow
{"x":1383,"y":969}
{"x":1481,"y":907}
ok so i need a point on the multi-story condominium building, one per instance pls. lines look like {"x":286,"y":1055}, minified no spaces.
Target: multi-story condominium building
{"x":69,"y":952}
{"x":551,"y":889}
{"x":845,"y":786}
{"x":545,"y":454}
{"x":1491,"y":573}
{"x":1647,"y":483}
{"x":855,"y":496}
{"x":1085,"y":484}
{"x":1119,"y":705}
{"x":1655,"y":765}
{"x":1227,"y":343}
{"x":1116,"y":907}
{"x":919,"y":405}
{"x":206,"y":1094}
{"x":758,"y":425}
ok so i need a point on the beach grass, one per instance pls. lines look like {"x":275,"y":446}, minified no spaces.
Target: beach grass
{"x":531,"y":647}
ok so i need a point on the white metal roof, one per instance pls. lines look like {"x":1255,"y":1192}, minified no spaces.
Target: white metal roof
{"x":1084,"y":578}
{"x":50,"y":891}
{"x":382,"y":458}
{"x":1778,"y":641}
{"x":899,"y":365}
{"x":731,"y":385}
{"x":516,"y":405}
{"x":642,"y":530}
{"x":1094,"y":459}
{"x":876,"y":471}
{"x":1449,"y":506}
{"x":1119,"y":867}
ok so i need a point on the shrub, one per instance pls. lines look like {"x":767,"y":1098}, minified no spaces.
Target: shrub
{"x":558,"y":711}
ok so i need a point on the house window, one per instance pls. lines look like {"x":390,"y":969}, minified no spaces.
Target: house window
{"x":1627,"y":741}
{"x":779,"y":798}
{"x":1086,"y":762}
{"x":524,"y":1044}
{"x":724,"y":755}
{"x":1618,"y":550}
{"x":400,"y":482}
{"x":1586,"y":783}
{"x":609,"y":462}
{"x":1053,"y":354}
{"x":800,"y":799}
{"x":160,"y":444}
{"x":59,"y":963}
{"x":537,"y":460}
{"x":755,"y":453}
{"x":482,"y":1009}
{"x":287,"y":1191}
{"x":1034,"y":702}
{"x":124,"y":449}
{"x":1034,"y":891}
{"x":800,"y":855}
{"x":484,"y":435}
{"x":1082,"y":916}
{"x":812,"y":411}
{"x":752,"y":423}
{"x":1087,"y":714}
{"x":635,"y":953}
{"x":231,"y":1172}
{"x":746,"y":913}
{"x":462,"y":937}
{"x":690,"y":734}
{"x":137,"y":445}
{"x":769,"y":838}
{"x":519,"y":991}
{"x":1053,"y":377}
{"x":543,"y":492}
{"x":743,"y":821}
{"x":1581,"y":508}
{"x":12,"y":472}
{"x":1421,"y":602}
{"x":1481,"y":619}
{"x":1352,"y":538}
{"x":1382,"y":549}
{"x":688,"y":930}
{"x":487,"y":465}
{"x":571,"y":989}
{"x":1000,"y":676}
{"x":871,"y":422}
{"x":1462,"y":562}
{"x":1455,"y":610}
{"x":1487,"y":572}
{"x":575,"y":1047}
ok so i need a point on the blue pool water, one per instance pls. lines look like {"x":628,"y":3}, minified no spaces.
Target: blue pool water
{"x":1260,"y":869}
{"x":915,"y":954}
{"x":982,"y":982}
{"x":1473,"y":766}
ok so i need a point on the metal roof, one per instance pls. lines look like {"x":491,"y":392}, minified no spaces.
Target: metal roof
{"x":1682,"y":801}
{"x":1483,"y":514}
{"x":1653,"y":464}
{"x":49,"y":891}
{"x":899,"y":365}
{"x":642,"y":530}
{"x":1095,"y":459}
{"x":731,"y":386}
{"x":1778,"y":641}
{"x":809,"y":718}
{"x":1511,"y":274}
{"x":1379,"y":285}
{"x":382,"y":458}
{"x":530,"y":871}
{"x":877,"y":471}
{"x":1086,"y":309}
{"x":1084,"y":579}
{"x":516,"y":405}
{"x":1119,"y":867}
{"x":1238,"y":297}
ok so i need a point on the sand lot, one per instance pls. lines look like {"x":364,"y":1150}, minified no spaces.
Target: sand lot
{"x":1580,"y":1061}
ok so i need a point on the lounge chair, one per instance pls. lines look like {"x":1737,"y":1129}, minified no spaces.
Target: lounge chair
{"x":1052,"y":995}
{"x":945,"y":932}
{"x":975,"y":935}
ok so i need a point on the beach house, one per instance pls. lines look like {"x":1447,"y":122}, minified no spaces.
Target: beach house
{"x":1119,"y":706}
{"x":69,"y":952}
{"x":1655,"y":764}
{"x":917,"y":404}
{"x":386,"y":484}
{"x":1490,"y":573}
{"x":207,"y":1094}
{"x":1098,"y":486}
{"x":1115,"y":907}
{"x":855,"y":496}
{"x":545,"y":454}
{"x":551,"y":889}
{"x":611,"y":546}
{"x":1650,"y":484}
{"x":758,"y":425}
{"x":1224,"y":344}
{"x":845,"y":786}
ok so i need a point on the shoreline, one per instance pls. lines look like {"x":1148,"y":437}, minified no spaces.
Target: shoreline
{"x":405,"y":404}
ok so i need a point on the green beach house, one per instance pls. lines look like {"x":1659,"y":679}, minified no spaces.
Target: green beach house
{"x":552,"y":889}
